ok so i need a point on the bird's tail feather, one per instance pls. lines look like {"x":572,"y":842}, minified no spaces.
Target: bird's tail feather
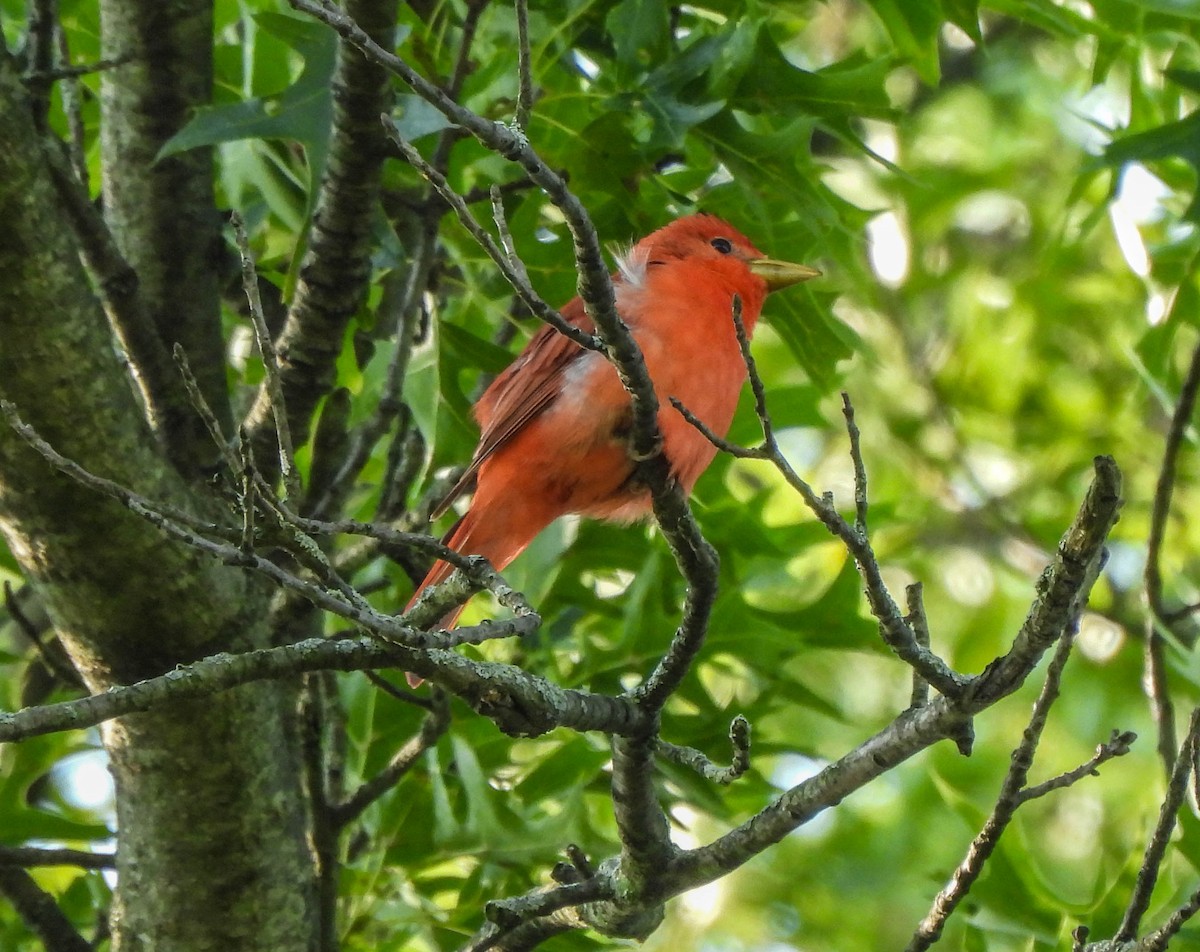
{"x":495,"y":538}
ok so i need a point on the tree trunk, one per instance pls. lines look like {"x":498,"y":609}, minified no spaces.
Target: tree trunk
{"x":211,"y":809}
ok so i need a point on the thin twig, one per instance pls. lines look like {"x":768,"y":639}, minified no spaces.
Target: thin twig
{"x":1007,"y":802}
{"x":1147,"y":875}
{"x":31,"y":856}
{"x":506,"y":238}
{"x":739,"y":737}
{"x":1160,"y":938}
{"x":40,"y":912}
{"x":1165,"y":486}
{"x":54,"y":74}
{"x":1118,"y":745}
{"x":266,"y":347}
{"x":860,"y":469}
{"x":515,"y":277}
{"x":1157,"y":686}
{"x":400,"y":694}
{"x":196,"y":395}
{"x":1158,"y":690}
{"x":106,"y":486}
{"x":433,"y":727}
{"x":246,"y":471}
{"x":40,"y":49}
{"x":72,"y":101}
{"x":919,"y":621}
{"x":474,"y":572}
{"x":896,"y":630}
{"x":524,"y":66}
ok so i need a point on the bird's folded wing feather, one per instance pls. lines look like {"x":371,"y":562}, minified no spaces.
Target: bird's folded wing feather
{"x":522,"y":392}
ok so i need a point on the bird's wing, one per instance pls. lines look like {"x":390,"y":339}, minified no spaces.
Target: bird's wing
{"x":526,"y":387}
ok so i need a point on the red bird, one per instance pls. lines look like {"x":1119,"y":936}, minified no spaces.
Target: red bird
{"x":555,"y":424}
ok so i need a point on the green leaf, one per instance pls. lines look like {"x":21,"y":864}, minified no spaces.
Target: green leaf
{"x":771,"y":84}
{"x":417,"y":118}
{"x":1185,"y":9}
{"x":913,"y":27}
{"x":639,"y":30}
{"x":301,"y":113}
{"x":1179,"y":139}
{"x":816,"y":338}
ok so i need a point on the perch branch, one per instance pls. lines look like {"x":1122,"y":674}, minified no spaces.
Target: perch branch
{"x":520,"y":703}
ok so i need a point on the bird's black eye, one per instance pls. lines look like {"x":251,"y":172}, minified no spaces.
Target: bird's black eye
{"x":722,"y":245}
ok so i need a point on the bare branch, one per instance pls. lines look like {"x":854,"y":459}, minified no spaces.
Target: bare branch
{"x":1160,"y":938}
{"x":106,"y":486}
{"x":860,"y":469}
{"x":196,"y":395}
{"x":1165,"y":486}
{"x":1063,"y":587}
{"x":55,"y":73}
{"x":1118,"y":745}
{"x":72,"y":100}
{"x":41,"y":27}
{"x":334,"y":275}
{"x":896,"y":630}
{"x":338,"y":599}
{"x":1066,"y":583}
{"x":1157,"y":686}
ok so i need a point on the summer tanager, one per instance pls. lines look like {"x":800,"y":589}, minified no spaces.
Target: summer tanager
{"x":555,"y":424}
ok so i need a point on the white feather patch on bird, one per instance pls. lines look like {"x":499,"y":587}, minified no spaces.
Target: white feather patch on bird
{"x":631,"y":265}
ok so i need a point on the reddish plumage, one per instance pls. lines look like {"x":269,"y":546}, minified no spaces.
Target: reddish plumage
{"x":555,"y":424}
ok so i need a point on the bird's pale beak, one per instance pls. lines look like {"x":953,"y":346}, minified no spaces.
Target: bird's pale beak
{"x":781,"y":274}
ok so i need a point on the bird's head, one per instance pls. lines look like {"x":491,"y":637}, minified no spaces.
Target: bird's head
{"x":712,"y":240}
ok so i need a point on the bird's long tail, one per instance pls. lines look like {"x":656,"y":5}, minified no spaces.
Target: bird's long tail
{"x":486,"y":531}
